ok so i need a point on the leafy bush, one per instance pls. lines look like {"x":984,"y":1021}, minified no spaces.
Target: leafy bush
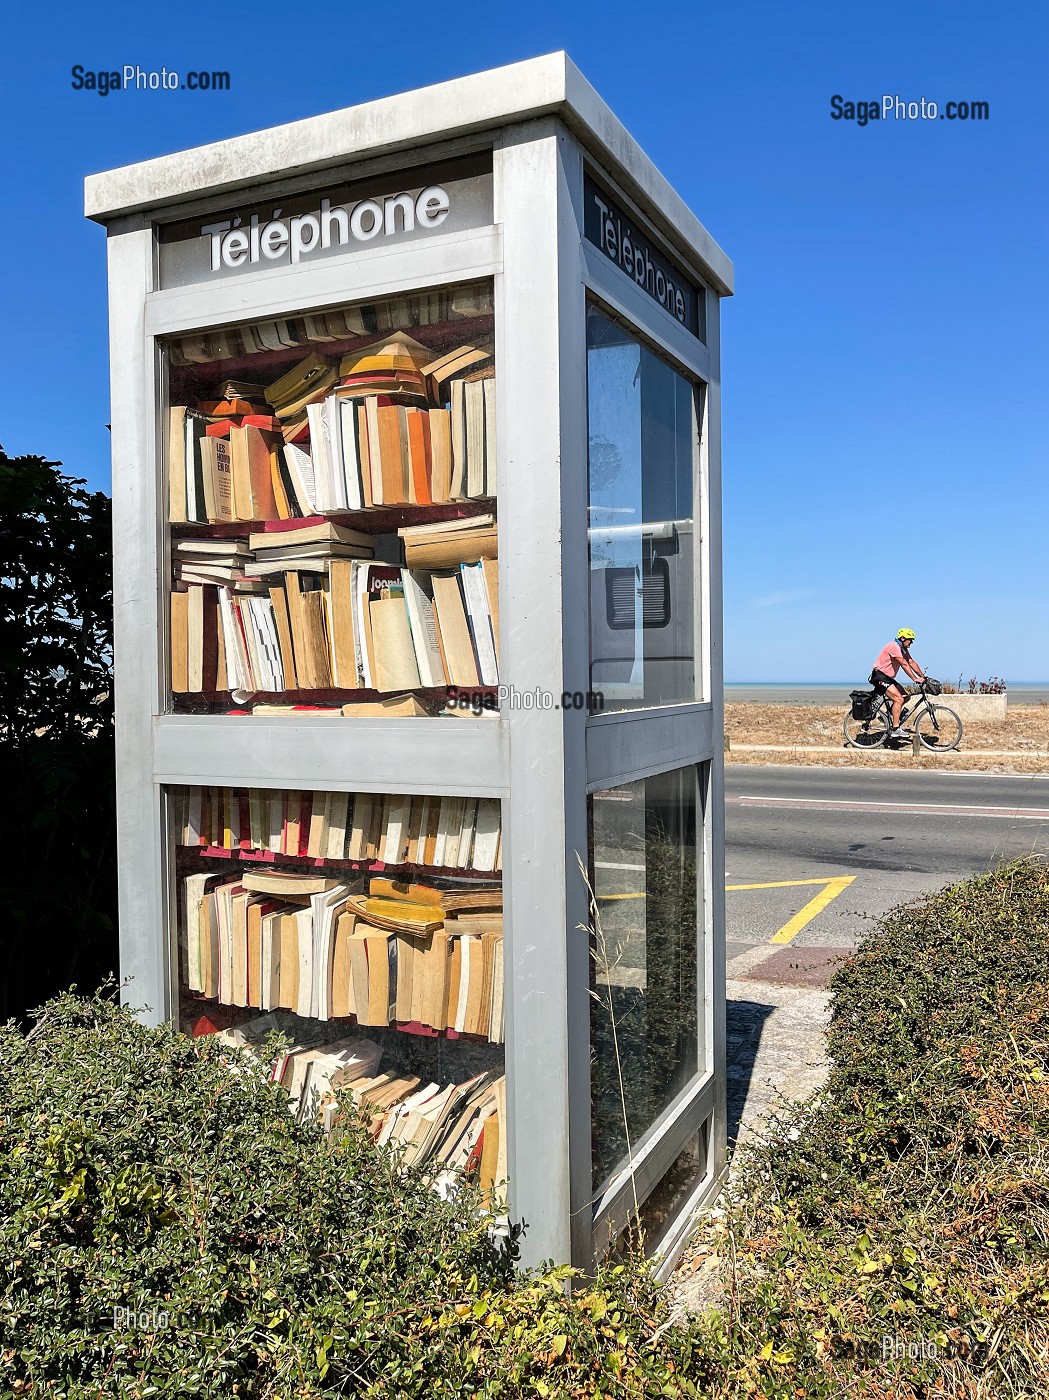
{"x":144,"y":1173}
{"x":906,"y":1206}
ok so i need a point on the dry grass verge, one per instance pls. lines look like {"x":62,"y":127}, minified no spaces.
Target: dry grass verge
{"x":1020,"y":744}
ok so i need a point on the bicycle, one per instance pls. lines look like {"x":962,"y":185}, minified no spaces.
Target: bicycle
{"x":868,"y":723}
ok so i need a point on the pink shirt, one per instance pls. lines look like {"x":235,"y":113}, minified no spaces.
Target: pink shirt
{"x":889,"y":658}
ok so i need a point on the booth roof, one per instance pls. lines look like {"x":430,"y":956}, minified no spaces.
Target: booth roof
{"x":482,"y":102}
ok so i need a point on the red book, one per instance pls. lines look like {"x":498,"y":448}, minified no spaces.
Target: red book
{"x":245,"y":821}
{"x":305,"y":814}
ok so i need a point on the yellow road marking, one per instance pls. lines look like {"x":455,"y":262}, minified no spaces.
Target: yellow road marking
{"x":815,"y":906}
{"x":779,"y":884}
{"x":832,"y":888}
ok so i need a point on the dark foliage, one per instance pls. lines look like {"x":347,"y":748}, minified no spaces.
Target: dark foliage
{"x":58,"y":878}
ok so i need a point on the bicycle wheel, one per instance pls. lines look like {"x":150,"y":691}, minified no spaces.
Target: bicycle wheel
{"x":938,"y":728}
{"x":867,"y":733}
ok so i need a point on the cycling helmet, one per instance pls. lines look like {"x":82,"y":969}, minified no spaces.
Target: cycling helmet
{"x":905,"y":635}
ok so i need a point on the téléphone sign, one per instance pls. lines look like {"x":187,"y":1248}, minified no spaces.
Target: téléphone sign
{"x":309,"y":228}
{"x":620,"y":239}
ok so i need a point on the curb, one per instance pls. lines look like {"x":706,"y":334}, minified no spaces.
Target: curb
{"x":842,"y":748}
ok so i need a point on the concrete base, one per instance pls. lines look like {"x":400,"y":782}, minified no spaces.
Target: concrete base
{"x":976,"y":709}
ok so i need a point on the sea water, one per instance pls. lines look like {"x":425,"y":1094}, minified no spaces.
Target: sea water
{"x":837,"y":693}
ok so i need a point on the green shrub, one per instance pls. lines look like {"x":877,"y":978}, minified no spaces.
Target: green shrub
{"x":138,"y":1171}
{"x":909,"y":1199}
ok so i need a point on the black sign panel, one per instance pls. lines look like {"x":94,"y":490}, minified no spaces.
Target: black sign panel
{"x":620,"y":239}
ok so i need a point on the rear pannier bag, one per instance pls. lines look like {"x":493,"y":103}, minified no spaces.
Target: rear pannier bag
{"x":862,"y":704}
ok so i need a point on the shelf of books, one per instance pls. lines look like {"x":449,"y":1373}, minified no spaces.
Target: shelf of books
{"x":367,"y":928}
{"x":331,"y":486}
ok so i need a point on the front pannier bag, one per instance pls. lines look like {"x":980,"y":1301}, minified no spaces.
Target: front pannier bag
{"x":862,"y":704}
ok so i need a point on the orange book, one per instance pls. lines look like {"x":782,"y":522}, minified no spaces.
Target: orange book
{"x":390,"y":464}
{"x":259,"y":447}
{"x":419,"y":454}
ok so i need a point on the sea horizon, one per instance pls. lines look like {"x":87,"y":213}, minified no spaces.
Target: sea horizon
{"x":834,"y":692}
{"x":810,"y":685}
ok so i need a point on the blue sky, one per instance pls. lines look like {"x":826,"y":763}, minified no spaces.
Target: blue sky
{"x":884,"y":359}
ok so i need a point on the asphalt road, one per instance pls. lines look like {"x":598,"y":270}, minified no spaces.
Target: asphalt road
{"x":893,"y":836}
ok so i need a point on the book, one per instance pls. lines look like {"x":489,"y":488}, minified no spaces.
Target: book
{"x":341,"y":632}
{"x":393,"y":467}
{"x":179,"y":627}
{"x":309,"y":640}
{"x":446,"y":897}
{"x":391,"y":705}
{"x":393,"y":656}
{"x":440,"y":454}
{"x":479,"y":620}
{"x":301,"y":385}
{"x":439,"y":372}
{"x":395,"y":360}
{"x":382,"y":978}
{"x":194,"y":431}
{"x":456,"y":643}
{"x":475,"y":444}
{"x":313,"y":532}
{"x":396,"y":915}
{"x":286,"y":884}
{"x":490,"y":472}
{"x":422,"y":624}
{"x":419,"y":454}
{"x":176,"y":463}
{"x":451,"y":542}
{"x":431,"y":831}
{"x":350,"y":451}
{"x":301,"y":477}
{"x":217,"y":479}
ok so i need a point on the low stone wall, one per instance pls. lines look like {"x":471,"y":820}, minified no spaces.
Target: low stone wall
{"x":974,"y":709}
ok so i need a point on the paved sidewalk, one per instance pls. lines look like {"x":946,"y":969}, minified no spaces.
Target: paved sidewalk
{"x":776,"y":1051}
{"x":775,"y":1033}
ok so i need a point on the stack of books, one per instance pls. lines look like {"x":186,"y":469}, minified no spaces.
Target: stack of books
{"x":455,"y":1130}
{"x":307,"y":609}
{"x":223,"y":467}
{"x":452,"y":833}
{"x":388,"y":426}
{"x":460,"y":1129}
{"x":368,"y":320}
{"x":421,"y":957}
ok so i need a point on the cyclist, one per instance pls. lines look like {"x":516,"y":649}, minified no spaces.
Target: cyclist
{"x":883,"y":678}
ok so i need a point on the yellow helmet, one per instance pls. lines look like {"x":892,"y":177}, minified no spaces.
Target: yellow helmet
{"x":905,"y":635}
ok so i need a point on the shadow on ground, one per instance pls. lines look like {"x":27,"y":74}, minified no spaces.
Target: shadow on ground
{"x":745,"y":1021}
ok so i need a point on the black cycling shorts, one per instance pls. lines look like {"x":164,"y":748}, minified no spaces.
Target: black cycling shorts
{"x":881,"y":682}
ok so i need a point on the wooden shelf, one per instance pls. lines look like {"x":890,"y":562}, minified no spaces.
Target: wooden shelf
{"x":373,"y":867}
{"x":230,"y":1016}
{"x":378,"y":520}
{"x":221,"y":701}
